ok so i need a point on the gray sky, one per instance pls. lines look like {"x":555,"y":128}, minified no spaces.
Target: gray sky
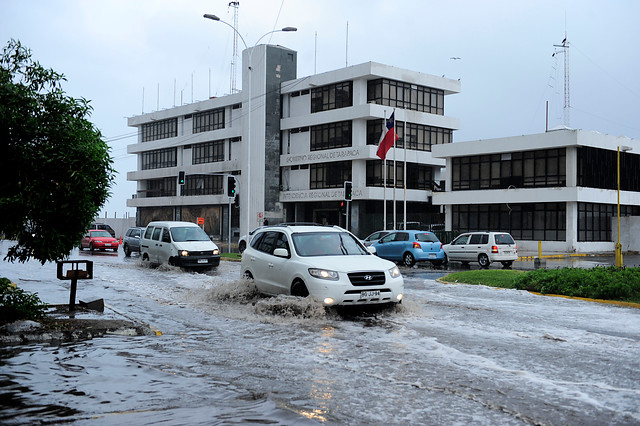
{"x":113,"y":51}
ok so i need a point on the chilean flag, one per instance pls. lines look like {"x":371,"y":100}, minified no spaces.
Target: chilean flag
{"x":387,"y":138}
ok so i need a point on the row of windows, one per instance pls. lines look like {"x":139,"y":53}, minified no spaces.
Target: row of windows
{"x":208,"y":120}
{"x":159,"y":158}
{"x":333,"y":96}
{"x":595,"y":220}
{"x":165,"y":187}
{"x":160,"y":130}
{"x":330,"y":136}
{"x":398,"y":94}
{"x":536,"y":222}
{"x":329,"y":175}
{"x":597,"y":168}
{"x":208,"y":152}
{"x":419,"y":137}
{"x":530,"y":169}
{"x":202,"y":185}
{"x":419,"y":176}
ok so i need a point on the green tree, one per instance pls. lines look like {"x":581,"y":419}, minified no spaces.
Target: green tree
{"x":55,"y":169}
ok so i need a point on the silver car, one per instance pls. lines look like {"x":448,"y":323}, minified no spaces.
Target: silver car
{"x":482,"y":247}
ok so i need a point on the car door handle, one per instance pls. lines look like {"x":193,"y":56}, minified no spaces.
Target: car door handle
{"x":270,"y":265}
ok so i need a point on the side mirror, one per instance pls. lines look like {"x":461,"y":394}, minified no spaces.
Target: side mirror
{"x":281,"y":252}
{"x":371,"y":249}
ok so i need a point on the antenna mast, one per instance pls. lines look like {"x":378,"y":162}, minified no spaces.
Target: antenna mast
{"x":235,"y":5}
{"x":567,"y":98}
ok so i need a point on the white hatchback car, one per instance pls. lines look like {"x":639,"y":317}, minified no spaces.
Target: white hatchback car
{"x":482,"y":247}
{"x":326,"y":263}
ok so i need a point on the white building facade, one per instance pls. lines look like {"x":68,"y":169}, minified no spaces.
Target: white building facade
{"x":558,"y":187}
{"x":291,"y":144}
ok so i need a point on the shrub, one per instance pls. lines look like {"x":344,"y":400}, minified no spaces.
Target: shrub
{"x":17,"y":304}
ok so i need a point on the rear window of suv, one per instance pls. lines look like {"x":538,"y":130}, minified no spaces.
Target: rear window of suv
{"x":427,"y":238}
{"x":503,"y":239}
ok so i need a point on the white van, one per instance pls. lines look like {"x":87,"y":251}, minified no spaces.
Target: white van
{"x":182,"y":244}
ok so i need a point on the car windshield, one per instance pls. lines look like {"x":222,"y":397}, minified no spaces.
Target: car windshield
{"x":327,"y":244}
{"x":188,"y":233}
{"x":504,"y":239}
{"x":100,"y":234}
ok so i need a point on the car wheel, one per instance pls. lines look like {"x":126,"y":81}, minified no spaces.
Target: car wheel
{"x":91,"y":247}
{"x":483,"y":260}
{"x":127,"y":250}
{"x":145,"y":257}
{"x":242,"y":246}
{"x":446,"y":259}
{"x":408,"y":259}
{"x":247,"y":275}
{"x":507,"y":264}
{"x":299,"y":289}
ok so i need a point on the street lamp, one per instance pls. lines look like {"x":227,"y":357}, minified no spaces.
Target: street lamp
{"x":248,"y":144}
{"x":619,"y":263}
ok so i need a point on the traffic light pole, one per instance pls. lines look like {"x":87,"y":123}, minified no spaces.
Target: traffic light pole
{"x":348,"y":185}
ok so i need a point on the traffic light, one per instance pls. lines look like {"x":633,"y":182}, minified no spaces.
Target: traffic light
{"x":347,"y":190}
{"x":181,"y":178}
{"x":341,"y":209}
{"x":231,"y":186}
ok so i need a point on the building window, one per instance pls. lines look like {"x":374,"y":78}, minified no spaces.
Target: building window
{"x":208,"y":120}
{"x":160,"y":130}
{"x":595,"y":220}
{"x":419,"y":137}
{"x":159,"y":158}
{"x":332,"y":135}
{"x":208,"y":152}
{"x":165,"y":187}
{"x":329,"y":175}
{"x":597,"y":168}
{"x":203,"y":185}
{"x":536,"y":222}
{"x":419,"y":176}
{"x":333,"y":96}
{"x":530,"y":169}
{"x":398,"y":94}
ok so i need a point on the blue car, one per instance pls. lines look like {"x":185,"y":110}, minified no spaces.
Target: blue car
{"x":410,"y":247}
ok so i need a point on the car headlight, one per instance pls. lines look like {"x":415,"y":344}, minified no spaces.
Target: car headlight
{"x":184,"y":253}
{"x":216,"y":252}
{"x":394,"y":272}
{"x":324,"y":274}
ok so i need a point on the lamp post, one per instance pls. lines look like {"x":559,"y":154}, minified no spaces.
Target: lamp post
{"x":619,"y":262}
{"x":248,"y":143}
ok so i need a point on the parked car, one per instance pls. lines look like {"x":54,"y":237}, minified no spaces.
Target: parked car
{"x":326,"y":263}
{"x":372,"y":238}
{"x":131,"y":240}
{"x":410,"y":247}
{"x":182,"y":244}
{"x":246,"y":239}
{"x":482,"y":247}
{"x":99,"y":239}
{"x":104,"y":227}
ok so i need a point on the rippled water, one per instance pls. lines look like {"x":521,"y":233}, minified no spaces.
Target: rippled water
{"x":451,"y":354}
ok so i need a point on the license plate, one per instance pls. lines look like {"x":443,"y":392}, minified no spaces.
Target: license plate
{"x":203,"y":260}
{"x":507,"y":252}
{"x":432,"y":255}
{"x":369,"y":294}
{"x":108,"y":244}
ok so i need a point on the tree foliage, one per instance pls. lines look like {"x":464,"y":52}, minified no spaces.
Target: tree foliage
{"x":55,"y":169}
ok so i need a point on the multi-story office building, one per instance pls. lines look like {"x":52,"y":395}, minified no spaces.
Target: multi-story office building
{"x":558,"y":187}
{"x":291,"y":143}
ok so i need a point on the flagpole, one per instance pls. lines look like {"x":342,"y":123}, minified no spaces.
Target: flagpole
{"x":384,"y":177}
{"x":395,"y":175}
{"x":404,"y":178}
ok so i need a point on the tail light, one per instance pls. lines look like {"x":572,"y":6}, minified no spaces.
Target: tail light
{"x":416,"y":245}
{"x":516,"y":247}
{"x":494,"y":249}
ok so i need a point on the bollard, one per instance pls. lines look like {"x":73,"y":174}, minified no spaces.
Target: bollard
{"x":538,"y":262}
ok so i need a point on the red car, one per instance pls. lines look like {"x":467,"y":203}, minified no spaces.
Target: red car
{"x":97,"y":239}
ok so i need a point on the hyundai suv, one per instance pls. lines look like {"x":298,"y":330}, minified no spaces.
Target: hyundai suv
{"x":482,"y":247}
{"x":326,"y":263}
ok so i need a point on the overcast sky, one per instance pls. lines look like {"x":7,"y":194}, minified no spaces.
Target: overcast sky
{"x":114,"y":51}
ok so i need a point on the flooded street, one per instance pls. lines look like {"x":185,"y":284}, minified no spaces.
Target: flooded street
{"x":450,"y":354}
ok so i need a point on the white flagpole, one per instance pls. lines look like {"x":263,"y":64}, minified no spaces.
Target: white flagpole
{"x":384,"y":177}
{"x":404,"y":180}
{"x":395,"y":174}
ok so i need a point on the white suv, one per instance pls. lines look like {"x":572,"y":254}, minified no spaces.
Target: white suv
{"x":482,"y":247}
{"x":326,"y":263}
